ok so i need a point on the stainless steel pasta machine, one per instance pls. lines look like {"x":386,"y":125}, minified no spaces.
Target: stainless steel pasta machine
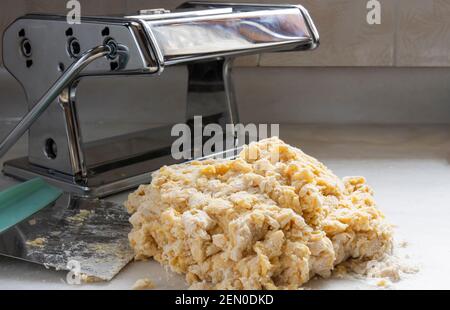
{"x":49,"y":57}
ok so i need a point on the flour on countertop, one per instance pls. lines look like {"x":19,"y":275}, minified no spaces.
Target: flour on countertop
{"x":386,"y":270}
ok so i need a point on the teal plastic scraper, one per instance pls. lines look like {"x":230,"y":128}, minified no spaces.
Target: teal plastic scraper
{"x":23,"y":200}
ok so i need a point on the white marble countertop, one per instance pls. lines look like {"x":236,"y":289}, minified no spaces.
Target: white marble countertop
{"x":408,"y":167}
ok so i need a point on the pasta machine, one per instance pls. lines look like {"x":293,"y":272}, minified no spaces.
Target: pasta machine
{"x":49,"y":57}
{"x":60,"y":225}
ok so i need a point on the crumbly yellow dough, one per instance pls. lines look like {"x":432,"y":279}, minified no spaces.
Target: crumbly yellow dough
{"x":270,"y":219}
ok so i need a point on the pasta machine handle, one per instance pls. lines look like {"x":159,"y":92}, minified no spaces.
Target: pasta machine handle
{"x":70,"y":75}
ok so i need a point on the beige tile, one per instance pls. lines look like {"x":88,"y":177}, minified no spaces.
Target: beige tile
{"x":104,"y":7}
{"x":46,"y":6}
{"x":10,"y":10}
{"x":376,"y":95}
{"x":247,"y":61}
{"x":346,"y":37}
{"x":423,"y":37}
{"x":133,"y":6}
{"x":88,"y":7}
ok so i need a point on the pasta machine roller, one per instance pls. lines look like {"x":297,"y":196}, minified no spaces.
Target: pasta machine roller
{"x":49,"y":57}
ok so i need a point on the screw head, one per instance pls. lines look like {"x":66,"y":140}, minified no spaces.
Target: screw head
{"x":74,"y":47}
{"x":25,"y":47}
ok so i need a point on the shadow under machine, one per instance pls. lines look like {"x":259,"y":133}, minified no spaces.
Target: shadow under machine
{"x":49,"y":57}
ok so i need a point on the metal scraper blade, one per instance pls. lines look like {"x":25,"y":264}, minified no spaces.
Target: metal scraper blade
{"x":91,"y":232}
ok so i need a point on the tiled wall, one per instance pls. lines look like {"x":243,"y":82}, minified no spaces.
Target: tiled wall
{"x":326,"y":95}
{"x":411,"y":33}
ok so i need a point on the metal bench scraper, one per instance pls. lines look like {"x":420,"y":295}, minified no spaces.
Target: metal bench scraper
{"x":41,"y":224}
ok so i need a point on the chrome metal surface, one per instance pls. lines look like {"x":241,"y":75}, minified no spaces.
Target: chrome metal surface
{"x":36,"y":111}
{"x":153,"y":11}
{"x":93,"y":233}
{"x":49,"y":37}
{"x":21,"y":169}
{"x":148,"y":15}
{"x":203,"y":37}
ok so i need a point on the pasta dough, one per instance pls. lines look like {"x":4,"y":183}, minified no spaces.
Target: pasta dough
{"x":270,"y":219}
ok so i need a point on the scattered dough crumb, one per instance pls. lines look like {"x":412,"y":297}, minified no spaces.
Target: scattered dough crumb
{"x":90,"y":279}
{"x":383,"y":283}
{"x":32,"y":222}
{"x":143,"y":284}
{"x":271,"y":219}
{"x":38,"y":242}
{"x":81,"y":216}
